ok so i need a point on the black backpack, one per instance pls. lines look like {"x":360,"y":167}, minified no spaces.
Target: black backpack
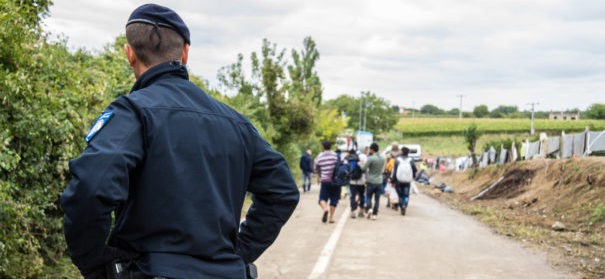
{"x":356,"y":172}
{"x":342,"y":174}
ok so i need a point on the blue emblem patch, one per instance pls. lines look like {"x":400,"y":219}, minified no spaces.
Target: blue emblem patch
{"x":99,"y":123}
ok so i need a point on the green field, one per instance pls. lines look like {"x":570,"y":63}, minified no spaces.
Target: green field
{"x":454,"y":126}
{"x":443,"y":136}
{"x":450,"y":145}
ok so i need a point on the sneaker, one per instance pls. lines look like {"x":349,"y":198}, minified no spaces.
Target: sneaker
{"x":369,"y":214}
{"x":374,"y":217}
{"x":403,"y":210}
{"x":324,"y":218}
{"x":360,"y":214}
{"x":353,"y":216}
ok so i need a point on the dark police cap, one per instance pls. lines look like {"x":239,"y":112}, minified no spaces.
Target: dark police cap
{"x":160,"y":16}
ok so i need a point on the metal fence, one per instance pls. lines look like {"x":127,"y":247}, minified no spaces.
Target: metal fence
{"x":564,"y":146}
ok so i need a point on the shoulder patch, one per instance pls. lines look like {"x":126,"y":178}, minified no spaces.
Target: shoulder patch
{"x":99,"y":123}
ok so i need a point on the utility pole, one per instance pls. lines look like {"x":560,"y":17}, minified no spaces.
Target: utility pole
{"x":460,"y":112}
{"x":532,"y":130}
{"x":362,"y":112}
{"x":360,"y":107}
{"x":413,"y":109}
{"x":365,"y":114}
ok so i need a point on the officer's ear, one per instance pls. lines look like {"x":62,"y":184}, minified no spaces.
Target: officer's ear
{"x":185,"y":54}
{"x":132,"y":58}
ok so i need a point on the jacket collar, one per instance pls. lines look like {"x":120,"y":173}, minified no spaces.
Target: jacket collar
{"x":158,"y":71}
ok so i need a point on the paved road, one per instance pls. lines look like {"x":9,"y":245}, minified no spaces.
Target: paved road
{"x":431,"y":241}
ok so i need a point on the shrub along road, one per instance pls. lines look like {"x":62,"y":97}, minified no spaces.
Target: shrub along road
{"x":431,"y":241}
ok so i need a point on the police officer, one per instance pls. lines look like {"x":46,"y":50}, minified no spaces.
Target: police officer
{"x":173,"y":165}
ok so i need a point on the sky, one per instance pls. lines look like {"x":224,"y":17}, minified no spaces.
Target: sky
{"x":410,"y":52}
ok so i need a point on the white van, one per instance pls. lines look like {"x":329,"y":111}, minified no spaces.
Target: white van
{"x":342,"y":144}
{"x":415,"y":151}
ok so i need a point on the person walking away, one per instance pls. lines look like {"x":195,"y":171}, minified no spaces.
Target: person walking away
{"x":325,"y":163}
{"x":173,"y":166}
{"x":357,"y":184}
{"x":342,"y":161}
{"x":403,"y":175}
{"x":374,"y":168}
{"x":306,"y":166}
{"x":388,"y":169}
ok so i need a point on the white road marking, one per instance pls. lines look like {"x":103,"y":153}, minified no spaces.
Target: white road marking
{"x":326,"y":254}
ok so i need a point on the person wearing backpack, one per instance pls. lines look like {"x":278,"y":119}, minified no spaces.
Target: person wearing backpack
{"x":388,"y":169}
{"x":402,"y":176}
{"x":357,"y":183}
{"x":325,"y":163}
{"x":373,"y":167}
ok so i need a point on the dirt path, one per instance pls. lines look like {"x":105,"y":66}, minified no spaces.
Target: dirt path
{"x":431,"y":241}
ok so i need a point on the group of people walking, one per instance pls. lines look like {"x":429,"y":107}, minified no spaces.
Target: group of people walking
{"x":367,"y":175}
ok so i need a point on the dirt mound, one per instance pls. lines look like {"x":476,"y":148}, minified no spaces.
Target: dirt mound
{"x":512,"y":184}
{"x":534,"y":195}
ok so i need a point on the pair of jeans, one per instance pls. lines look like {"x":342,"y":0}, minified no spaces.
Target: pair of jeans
{"x":403,"y":191}
{"x":357,"y":190}
{"x":373,"y":190}
{"x":306,"y":177}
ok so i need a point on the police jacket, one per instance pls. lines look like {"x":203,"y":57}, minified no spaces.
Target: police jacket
{"x":175,"y":165}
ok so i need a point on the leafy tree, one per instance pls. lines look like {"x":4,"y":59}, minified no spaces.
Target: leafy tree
{"x":379,"y":115}
{"x":481,"y":111}
{"x":280,"y":99}
{"x":505,"y":112}
{"x":305,"y":82}
{"x":596,"y":111}
{"x":454,"y":111}
{"x":471,"y":135}
{"x":431,"y":109}
{"x":330,"y":124}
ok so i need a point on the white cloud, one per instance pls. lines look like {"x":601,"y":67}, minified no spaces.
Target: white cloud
{"x":410,"y":52}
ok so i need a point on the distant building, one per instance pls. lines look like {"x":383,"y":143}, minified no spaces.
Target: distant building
{"x":564,"y":116}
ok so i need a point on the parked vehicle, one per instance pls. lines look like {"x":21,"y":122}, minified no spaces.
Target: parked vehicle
{"x":341,"y":144}
{"x":415,"y":151}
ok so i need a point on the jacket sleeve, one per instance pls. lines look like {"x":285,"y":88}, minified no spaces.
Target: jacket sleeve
{"x":99,"y":184}
{"x":274,"y":198}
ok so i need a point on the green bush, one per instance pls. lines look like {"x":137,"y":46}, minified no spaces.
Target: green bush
{"x":49,"y":98}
